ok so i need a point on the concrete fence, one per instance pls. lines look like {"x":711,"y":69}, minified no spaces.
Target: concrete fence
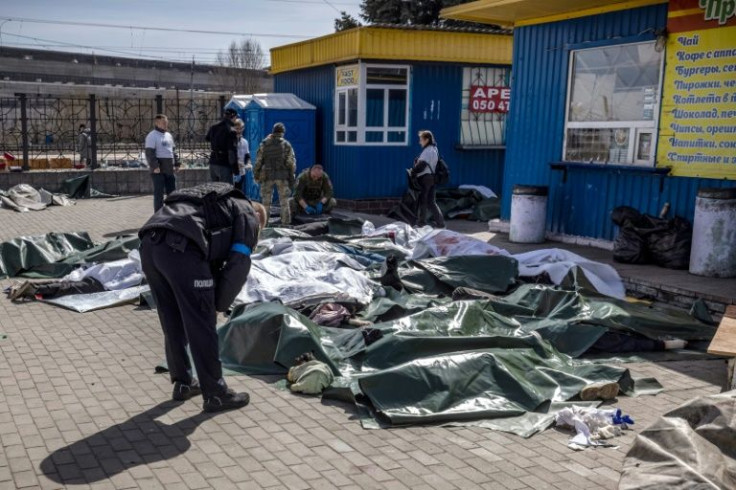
{"x":118,"y":182}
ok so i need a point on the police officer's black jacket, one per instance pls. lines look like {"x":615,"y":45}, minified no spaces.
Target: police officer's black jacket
{"x":214,"y":217}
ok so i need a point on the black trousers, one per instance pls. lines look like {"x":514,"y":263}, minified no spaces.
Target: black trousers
{"x":163,"y":184}
{"x":221,"y":173}
{"x":428,"y":202}
{"x":55,"y":289}
{"x":184,"y":290}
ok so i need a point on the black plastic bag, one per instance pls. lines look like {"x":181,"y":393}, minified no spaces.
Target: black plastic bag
{"x":623,"y":214}
{"x":644,"y":239}
{"x":630,"y":247}
{"x":669,"y":245}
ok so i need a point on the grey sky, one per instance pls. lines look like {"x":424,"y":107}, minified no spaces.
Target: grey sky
{"x":270,"y":22}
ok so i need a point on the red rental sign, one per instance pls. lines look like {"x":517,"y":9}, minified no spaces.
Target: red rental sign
{"x":489,"y":99}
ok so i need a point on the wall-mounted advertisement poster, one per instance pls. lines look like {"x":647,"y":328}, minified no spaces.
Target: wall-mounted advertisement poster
{"x":697,"y":130}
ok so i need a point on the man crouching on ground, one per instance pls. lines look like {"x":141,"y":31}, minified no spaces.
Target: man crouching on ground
{"x":195,"y":253}
{"x":313,"y":194}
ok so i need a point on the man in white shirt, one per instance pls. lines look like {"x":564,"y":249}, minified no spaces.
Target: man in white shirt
{"x":162,"y":161}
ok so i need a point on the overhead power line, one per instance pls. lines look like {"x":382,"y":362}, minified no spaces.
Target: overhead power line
{"x":130,"y":52}
{"x":148,"y":28}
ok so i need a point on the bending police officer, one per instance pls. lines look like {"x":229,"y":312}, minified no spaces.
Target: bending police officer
{"x":195,"y":253}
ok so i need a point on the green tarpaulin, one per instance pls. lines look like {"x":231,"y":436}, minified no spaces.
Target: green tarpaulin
{"x":508,"y":361}
{"x":493,"y":362}
{"x":57,"y":254}
{"x":26,"y":253}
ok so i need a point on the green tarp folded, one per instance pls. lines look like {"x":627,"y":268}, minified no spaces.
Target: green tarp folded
{"x":81,"y":187}
{"x":57,"y":254}
{"x":26,"y":253}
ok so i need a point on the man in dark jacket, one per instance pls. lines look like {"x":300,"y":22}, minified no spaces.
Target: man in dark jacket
{"x":195,"y":253}
{"x":223,"y":140}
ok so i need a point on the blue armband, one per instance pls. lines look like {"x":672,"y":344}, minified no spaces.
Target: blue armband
{"x":241,"y":248}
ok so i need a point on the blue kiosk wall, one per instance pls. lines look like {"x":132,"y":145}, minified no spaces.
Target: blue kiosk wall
{"x":580,"y":201}
{"x":371,"y":172}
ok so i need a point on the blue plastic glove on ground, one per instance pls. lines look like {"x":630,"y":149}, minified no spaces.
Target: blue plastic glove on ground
{"x":310,"y":210}
{"x":319,"y":208}
{"x":619,"y":419}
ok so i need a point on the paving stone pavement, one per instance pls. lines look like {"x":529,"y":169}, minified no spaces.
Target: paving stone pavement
{"x":80,"y":406}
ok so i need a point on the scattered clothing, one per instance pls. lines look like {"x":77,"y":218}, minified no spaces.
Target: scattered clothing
{"x":330,"y":315}
{"x":592,"y":425}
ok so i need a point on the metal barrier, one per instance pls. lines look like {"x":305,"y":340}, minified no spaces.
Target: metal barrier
{"x":41,"y":132}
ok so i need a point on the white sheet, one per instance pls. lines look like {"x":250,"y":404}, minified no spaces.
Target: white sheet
{"x":295,"y":277}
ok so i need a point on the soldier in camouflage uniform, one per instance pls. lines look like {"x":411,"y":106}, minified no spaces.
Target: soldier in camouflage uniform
{"x":275,"y":166}
{"x":313,"y":193}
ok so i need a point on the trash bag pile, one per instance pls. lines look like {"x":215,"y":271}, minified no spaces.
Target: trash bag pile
{"x":645,"y":239}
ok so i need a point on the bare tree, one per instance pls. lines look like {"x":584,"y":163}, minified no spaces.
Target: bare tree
{"x":241,"y":65}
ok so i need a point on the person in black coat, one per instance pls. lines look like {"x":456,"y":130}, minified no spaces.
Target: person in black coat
{"x":223,"y":138}
{"x":195,"y":254}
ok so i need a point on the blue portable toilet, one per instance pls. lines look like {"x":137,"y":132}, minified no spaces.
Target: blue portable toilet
{"x":299,"y":117}
{"x":261,"y":111}
{"x":238,"y":102}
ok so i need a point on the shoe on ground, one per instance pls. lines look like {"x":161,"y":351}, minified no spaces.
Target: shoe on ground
{"x":226,"y":401}
{"x":183,"y":392}
{"x":599,"y":391}
{"x":19,"y":290}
